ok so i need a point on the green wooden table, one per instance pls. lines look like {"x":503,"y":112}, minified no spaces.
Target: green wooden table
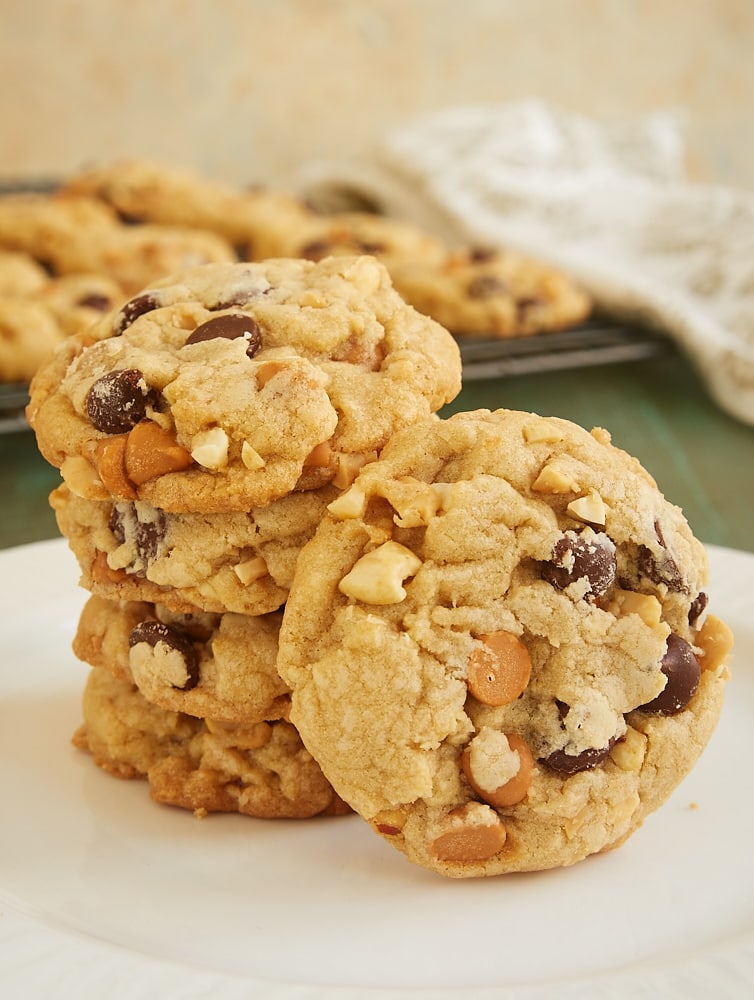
{"x":656,"y":409}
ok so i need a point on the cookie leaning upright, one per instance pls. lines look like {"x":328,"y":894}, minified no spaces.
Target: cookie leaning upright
{"x":230,"y":385}
{"x":497,"y":644}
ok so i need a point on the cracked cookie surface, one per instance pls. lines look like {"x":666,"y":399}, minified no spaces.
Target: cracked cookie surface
{"x":231,"y":385}
{"x":497,"y":644}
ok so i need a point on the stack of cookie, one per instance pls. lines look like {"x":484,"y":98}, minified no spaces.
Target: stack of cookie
{"x":201,"y":431}
{"x":495,"y":644}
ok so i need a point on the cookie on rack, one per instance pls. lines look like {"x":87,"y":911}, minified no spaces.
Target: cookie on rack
{"x":144,"y":191}
{"x":20,"y":274}
{"x":221,"y":667}
{"x":241,"y":561}
{"x":299,"y":232}
{"x":492,"y":293}
{"x":259,"y":769}
{"x":230,"y":385}
{"x":29,"y":335}
{"x":497,"y":644}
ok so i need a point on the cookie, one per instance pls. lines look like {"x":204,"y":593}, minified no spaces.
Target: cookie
{"x":229,"y":386}
{"x":261,"y":769}
{"x":475,"y":292}
{"x":221,"y":667}
{"x":77,"y":301}
{"x":143,"y":191}
{"x":497,"y":645}
{"x":47,"y":226}
{"x":29,"y":335}
{"x":299,"y":232}
{"x":20,"y":274}
{"x":242,"y":561}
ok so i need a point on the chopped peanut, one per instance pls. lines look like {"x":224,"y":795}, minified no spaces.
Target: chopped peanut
{"x":251,"y":457}
{"x":81,"y":478}
{"x":590,"y":509}
{"x":378,"y":576}
{"x":348,"y":505}
{"x":251,"y":570}
{"x":210,"y":448}
{"x":715,"y":639}
{"x":542,"y":430}
{"x":629,"y":602}
{"x":319,"y":457}
{"x":551,"y":479}
{"x":499,"y":669}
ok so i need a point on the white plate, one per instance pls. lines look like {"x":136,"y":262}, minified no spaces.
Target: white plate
{"x":105,"y":894}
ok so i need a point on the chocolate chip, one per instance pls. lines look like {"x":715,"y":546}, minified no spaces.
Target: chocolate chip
{"x":153,"y":632}
{"x":479,"y":255}
{"x":316,"y":250}
{"x":698,"y":606}
{"x":229,"y":327}
{"x":132,"y":310}
{"x":567,"y":764}
{"x":661,"y":569}
{"x":589,"y":556}
{"x":119,"y":400}
{"x":238,"y":298}
{"x":95,"y":300}
{"x":486,"y":286}
{"x":146,"y":535}
{"x":525,"y":305}
{"x":681,"y":667}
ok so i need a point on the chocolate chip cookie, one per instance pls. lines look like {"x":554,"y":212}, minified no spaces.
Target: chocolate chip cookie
{"x":492,"y":293}
{"x":229,"y":386}
{"x":260,"y":769}
{"x":242,"y":561}
{"x":221,"y":667}
{"x":498,"y":646}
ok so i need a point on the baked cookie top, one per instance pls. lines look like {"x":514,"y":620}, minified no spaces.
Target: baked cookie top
{"x":228,"y":386}
{"x":482,"y":632}
{"x":260,"y":769}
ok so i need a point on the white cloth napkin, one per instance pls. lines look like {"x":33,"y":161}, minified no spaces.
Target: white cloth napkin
{"x":610,"y":202}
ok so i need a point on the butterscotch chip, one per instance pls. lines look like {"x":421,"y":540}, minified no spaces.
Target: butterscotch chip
{"x":238,"y":383}
{"x":520,"y":682}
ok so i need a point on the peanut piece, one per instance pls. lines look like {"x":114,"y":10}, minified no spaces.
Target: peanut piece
{"x":628,"y":753}
{"x":715,"y":639}
{"x":389,"y":822}
{"x":590,"y":509}
{"x":152,"y":451}
{"x":377,"y":577}
{"x":82,"y":480}
{"x":471,"y":841}
{"x":629,"y":602}
{"x":251,"y":457}
{"x":210,"y":448}
{"x":541,"y":430}
{"x":499,"y":669}
{"x":349,"y":466}
{"x":498,"y":767}
{"x":348,"y":505}
{"x":551,"y":479}
{"x":251,"y":570}
{"x":110,"y":460}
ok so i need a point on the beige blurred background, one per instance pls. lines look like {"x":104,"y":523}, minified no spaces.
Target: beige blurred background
{"x":249,"y":90}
